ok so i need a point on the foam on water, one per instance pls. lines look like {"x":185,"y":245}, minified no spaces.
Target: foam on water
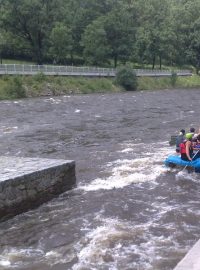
{"x":124,"y":172}
{"x":16,"y":258}
{"x":5,"y":129}
{"x":126,"y":150}
{"x":184,"y":175}
{"x":53,"y":100}
{"x":114,"y":245}
{"x":103,"y":245}
{"x":4,"y":263}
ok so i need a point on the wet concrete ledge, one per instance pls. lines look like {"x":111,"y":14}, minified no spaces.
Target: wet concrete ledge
{"x":25,"y":183}
{"x":191,"y":261}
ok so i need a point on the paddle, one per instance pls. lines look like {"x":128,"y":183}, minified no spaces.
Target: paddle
{"x":191,"y":160}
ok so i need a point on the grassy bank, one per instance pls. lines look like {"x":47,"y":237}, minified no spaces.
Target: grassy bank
{"x":12,"y":87}
{"x":147,"y":83}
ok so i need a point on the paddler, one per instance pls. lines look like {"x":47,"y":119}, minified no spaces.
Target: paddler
{"x":186,"y":148}
{"x":179,"y":139}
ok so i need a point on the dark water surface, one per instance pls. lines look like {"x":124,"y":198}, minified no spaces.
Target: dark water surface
{"x":128,"y":211}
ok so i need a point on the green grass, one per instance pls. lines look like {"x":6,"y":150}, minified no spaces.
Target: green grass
{"x":189,"y":82}
{"x":21,"y":62}
{"x":40,"y":85}
{"x":149,"y":83}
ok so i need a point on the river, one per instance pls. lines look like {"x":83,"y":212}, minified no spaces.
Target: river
{"x":128,"y":211}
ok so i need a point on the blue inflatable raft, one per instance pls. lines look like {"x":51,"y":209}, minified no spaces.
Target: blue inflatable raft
{"x":176,"y":160}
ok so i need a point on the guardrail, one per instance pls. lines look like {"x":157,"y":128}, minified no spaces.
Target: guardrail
{"x":16,"y":69}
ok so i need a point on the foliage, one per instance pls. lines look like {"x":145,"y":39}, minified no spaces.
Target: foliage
{"x":61,"y":42}
{"x":127,"y":78}
{"x":15,"y":89}
{"x":173,"y":78}
{"x":94,"y":40}
{"x":106,"y":32}
{"x":10,"y":89}
{"x":29,"y":21}
{"x":154,"y":35}
{"x":39,"y":77}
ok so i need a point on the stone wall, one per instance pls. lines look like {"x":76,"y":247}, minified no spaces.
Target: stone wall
{"x":27,"y":182}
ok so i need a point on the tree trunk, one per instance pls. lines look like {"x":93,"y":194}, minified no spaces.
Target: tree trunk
{"x":72,"y":58}
{"x":39,"y":54}
{"x":198,"y":66}
{"x":115,"y":61}
{"x":153,"y":62}
{"x":160,"y":59}
{"x":39,"y":58}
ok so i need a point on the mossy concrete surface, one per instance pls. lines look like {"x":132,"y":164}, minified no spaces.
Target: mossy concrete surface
{"x":25,"y":183}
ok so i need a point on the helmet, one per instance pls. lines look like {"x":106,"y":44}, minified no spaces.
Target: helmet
{"x":188,"y":136}
{"x":192,"y":129}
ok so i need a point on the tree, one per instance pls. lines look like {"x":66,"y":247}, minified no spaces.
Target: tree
{"x":120,"y":32}
{"x":2,"y":45}
{"x":61,"y":42}
{"x":94,"y":40}
{"x":30,"y":20}
{"x":154,"y":32}
{"x":188,"y":32}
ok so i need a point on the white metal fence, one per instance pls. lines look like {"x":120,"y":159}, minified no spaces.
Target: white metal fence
{"x":16,"y":69}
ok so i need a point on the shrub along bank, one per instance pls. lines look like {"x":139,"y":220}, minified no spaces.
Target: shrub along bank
{"x":12,"y":87}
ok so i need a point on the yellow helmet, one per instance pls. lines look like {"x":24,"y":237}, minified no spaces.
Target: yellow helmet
{"x":188,"y":136}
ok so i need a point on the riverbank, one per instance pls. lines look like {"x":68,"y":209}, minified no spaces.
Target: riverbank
{"x":12,"y":87}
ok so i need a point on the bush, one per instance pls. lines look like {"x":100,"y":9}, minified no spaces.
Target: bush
{"x":174,"y":78}
{"x":15,"y":88}
{"x":39,"y":77}
{"x":127,"y":78}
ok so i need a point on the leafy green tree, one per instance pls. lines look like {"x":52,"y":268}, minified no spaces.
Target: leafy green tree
{"x":154,"y":32}
{"x":61,"y":42}
{"x":120,"y":34}
{"x":30,"y":20}
{"x":78,"y":15}
{"x":187,"y":28}
{"x":94,"y":40}
{"x":98,"y":32}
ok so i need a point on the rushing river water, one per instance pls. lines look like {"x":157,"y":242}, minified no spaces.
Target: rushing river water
{"x":128,"y":211}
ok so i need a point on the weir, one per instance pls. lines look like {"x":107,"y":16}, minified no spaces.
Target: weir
{"x":26,"y":183}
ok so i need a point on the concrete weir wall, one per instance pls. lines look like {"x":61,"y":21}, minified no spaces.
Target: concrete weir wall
{"x":191,"y":261}
{"x":27,"y":182}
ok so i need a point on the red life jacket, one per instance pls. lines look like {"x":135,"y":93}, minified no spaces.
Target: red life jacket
{"x":182,"y":148}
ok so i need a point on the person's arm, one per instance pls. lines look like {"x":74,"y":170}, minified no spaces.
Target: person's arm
{"x":188,"y":145}
{"x":196,"y":147}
